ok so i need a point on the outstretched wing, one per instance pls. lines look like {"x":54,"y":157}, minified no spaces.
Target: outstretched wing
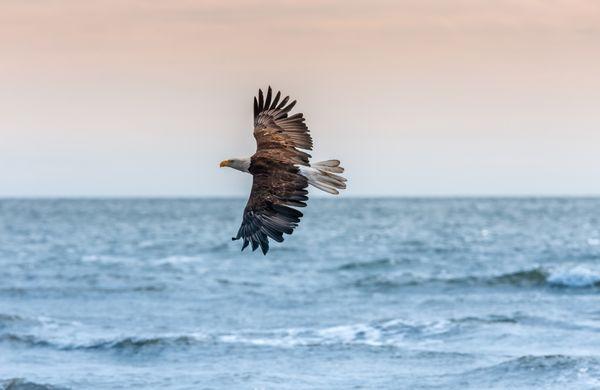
{"x":275,"y":130}
{"x":277,"y":185}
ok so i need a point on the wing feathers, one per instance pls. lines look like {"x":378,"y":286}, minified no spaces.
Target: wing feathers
{"x":268,"y":98}
{"x":275,"y":101}
{"x":278,"y":185}
{"x":260,"y":100}
{"x":283,"y":102}
{"x":271,"y":223}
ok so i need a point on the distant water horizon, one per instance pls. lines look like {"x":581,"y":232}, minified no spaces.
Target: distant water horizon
{"x":312,"y":196}
{"x":403,"y":292}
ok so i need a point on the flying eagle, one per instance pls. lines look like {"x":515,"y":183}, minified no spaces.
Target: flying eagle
{"x":281,"y":172}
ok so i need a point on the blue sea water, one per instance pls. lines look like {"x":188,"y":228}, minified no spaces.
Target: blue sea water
{"x":367,"y":294}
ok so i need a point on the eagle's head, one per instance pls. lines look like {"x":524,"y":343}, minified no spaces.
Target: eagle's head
{"x":241,"y":164}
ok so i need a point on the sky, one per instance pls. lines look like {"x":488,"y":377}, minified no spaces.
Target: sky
{"x":416,"y":97}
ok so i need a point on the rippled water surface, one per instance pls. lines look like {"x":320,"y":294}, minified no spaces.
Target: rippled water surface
{"x":385,"y":294}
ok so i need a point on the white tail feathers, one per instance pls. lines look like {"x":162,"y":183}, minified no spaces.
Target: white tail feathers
{"x":331,"y":166}
{"x":323,"y":175}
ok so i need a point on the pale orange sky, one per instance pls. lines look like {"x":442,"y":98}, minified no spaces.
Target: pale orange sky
{"x":418,"y":97}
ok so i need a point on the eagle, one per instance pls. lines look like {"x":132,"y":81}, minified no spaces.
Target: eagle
{"x":281,"y":172}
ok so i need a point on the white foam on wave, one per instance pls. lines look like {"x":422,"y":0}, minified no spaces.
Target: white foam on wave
{"x":391,"y":333}
{"x":593,"y":241}
{"x":283,"y":342}
{"x":285,"y":338}
{"x":348,"y":334}
{"x":574,"y":276}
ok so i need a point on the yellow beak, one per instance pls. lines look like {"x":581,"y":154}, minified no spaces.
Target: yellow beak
{"x":224,"y":163}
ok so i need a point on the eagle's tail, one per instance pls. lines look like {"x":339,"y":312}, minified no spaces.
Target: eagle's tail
{"x":324,"y":176}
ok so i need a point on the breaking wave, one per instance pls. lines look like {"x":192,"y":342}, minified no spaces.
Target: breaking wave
{"x":579,"y":276}
{"x":382,"y":333}
{"x":60,"y":335}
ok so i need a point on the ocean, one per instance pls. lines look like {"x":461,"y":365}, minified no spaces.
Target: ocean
{"x":366,"y":294}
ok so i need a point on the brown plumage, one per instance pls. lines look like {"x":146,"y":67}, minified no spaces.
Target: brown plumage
{"x":277,"y":182}
{"x":281,"y":172}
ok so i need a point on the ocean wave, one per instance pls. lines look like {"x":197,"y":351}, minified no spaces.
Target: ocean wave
{"x":394,"y":333}
{"x":579,"y":276}
{"x":383,"y":333}
{"x":386,"y":333}
{"x":531,"y":277}
{"x":23,"y":384}
{"x":564,"y":276}
{"x":576,"y":276}
{"x":534,"y":277}
{"x":134,"y":344}
{"x":288,"y":338}
{"x":125,"y":344}
{"x":532,"y":370}
{"x":376,"y":334}
{"x":61,"y":334}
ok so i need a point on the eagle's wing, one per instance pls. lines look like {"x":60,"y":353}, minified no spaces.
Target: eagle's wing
{"x":278,"y":183}
{"x":274,"y":130}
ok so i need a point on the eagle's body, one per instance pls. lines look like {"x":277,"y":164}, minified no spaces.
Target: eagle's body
{"x":281,"y":171}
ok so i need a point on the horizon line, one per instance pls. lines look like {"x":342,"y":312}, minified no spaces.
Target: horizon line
{"x":319,"y":197}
